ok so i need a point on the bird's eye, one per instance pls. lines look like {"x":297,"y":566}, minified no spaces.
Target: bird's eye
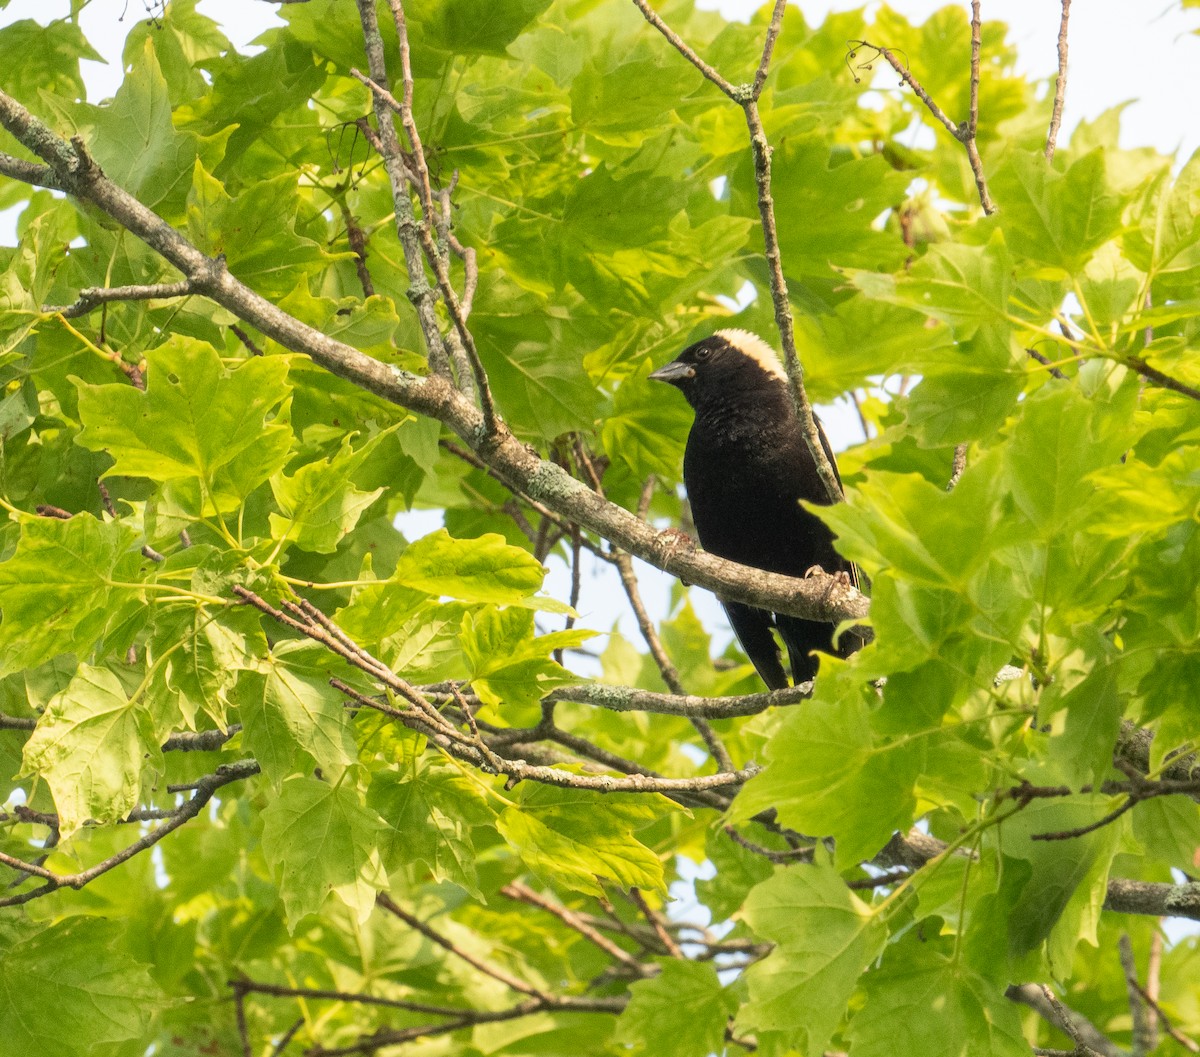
{"x":703,"y":353}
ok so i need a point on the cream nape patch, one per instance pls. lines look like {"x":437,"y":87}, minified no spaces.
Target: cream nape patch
{"x":758,"y":350}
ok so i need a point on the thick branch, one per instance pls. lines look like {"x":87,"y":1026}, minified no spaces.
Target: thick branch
{"x":691,"y":706}
{"x":818,"y":597}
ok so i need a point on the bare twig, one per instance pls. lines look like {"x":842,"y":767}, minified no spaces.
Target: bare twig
{"x":958,"y":466}
{"x":95,"y":296}
{"x":1156,"y":377}
{"x":1046,"y":362}
{"x":1060,"y":82}
{"x":1089,"y":1040}
{"x":387,"y":145}
{"x":494,"y":971}
{"x":1153,"y":970}
{"x":655,"y":920}
{"x":968,"y":140}
{"x":204,"y":790}
{"x":780,"y":857}
{"x":681,"y":46}
{"x":761,"y":150}
{"x":56,"y":512}
{"x":285,"y":1039}
{"x":246,"y":340}
{"x":358,"y":243}
{"x":491,"y":420}
{"x":633,"y":699}
{"x":239,"y":1005}
{"x":406,"y":111}
{"x":1138,"y":1009}
{"x":352,"y":997}
{"x":520,"y":891}
{"x":964,"y":132}
{"x":760,"y":75}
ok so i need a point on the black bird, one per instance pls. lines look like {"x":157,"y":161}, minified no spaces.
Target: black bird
{"x":746,"y":468}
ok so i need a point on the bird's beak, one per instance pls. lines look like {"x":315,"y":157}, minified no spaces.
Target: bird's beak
{"x":674,"y":373}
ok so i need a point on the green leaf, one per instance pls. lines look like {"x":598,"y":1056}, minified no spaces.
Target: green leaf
{"x":58,"y":581}
{"x":646,"y":431}
{"x":297,"y":712}
{"x":256,"y":230}
{"x":1065,"y":872}
{"x":70,"y":987}
{"x":582,"y":839}
{"x":90,"y":745}
{"x":507,"y":664}
{"x":474,"y":27}
{"x":43,"y":58}
{"x":923,"y":1002}
{"x":193,"y":422}
{"x":430,"y":808}
{"x":136,"y":143}
{"x":211,"y":650}
{"x":1057,"y":218}
{"x":319,"y":838}
{"x":825,"y":938}
{"x":827,"y":774}
{"x":484,"y":569}
{"x":680,"y":1012}
{"x":318,"y":504}
{"x":959,"y":285}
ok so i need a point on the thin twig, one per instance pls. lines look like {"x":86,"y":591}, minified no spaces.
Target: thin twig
{"x":958,"y":466}
{"x":1156,"y":377}
{"x":285,"y":1039}
{"x":985,"y":198}
{"x":760,"y":75}
{"x":780,"y":857}
{"x":387,"y":144}
{"x":246,"y":340}
{"x":491,"y":419}
{"x":239,"y":1005}
{"x":520,"y":891}
{"x":205,"y":788}
{"x":358,"y":243}
{"x":1046,"y":362}
{"x":351,"y":997}
{"x":678,"y":43}
{"x":1153,"y":969}
{"x":1060,"y":82}
{"x":494,"y":971}
{"x":1138,"y":1008}
{"x":655,"y":920}
{"x":95,"y":296}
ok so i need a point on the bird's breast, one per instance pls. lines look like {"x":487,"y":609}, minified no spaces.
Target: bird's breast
{"x":745,"y":489}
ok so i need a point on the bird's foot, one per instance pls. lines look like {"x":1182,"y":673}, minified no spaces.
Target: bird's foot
{"x":672,"y":540}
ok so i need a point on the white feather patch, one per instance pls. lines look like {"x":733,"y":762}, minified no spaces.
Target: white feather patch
{"x":758,"y":350}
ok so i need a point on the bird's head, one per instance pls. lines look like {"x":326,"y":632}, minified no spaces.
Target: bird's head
{"x":729,"y":364}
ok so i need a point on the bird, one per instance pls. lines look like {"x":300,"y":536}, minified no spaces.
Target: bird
{"x":746,"y":467}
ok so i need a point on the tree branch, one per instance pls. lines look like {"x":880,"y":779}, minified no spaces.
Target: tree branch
{"x":204,"y":790}
{"x":1089,"y":1040}
{"x":1060,"y":82}
{"x":522,"y":892}
{"x":94,"y":296}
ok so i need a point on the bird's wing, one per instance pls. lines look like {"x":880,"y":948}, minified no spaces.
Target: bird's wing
{"x":753,"y":629}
